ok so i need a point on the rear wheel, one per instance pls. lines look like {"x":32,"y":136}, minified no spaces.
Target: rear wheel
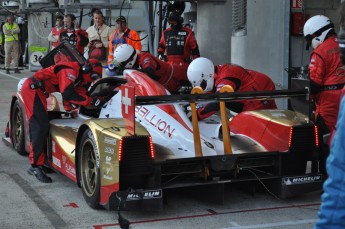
{"x":18,"y":129}
{"x":89,"y":170}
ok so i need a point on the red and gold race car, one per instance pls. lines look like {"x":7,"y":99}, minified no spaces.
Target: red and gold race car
{"x":141,"y":143}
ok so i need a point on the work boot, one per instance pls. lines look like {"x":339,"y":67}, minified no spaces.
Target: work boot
{"x":16,"y":70}
{"x":39,"y":174}
{"x":7,"y":71}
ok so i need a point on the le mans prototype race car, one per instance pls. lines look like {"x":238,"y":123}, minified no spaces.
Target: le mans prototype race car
{"x":141,"y":143}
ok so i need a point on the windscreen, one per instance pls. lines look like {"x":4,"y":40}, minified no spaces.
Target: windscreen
{"x":62,"y":53}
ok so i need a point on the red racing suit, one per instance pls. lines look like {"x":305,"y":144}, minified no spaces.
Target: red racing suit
{"x":169,"y":75}
{"x":64,"y":78}
{"x":326,"y":81}
{"x":239,"y":79}
{"x":327,"y":76}
{"x":180,"y":47}
{"x":78,"y":38}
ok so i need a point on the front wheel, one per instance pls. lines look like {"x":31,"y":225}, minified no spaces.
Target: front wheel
{"x":18,"y":130}
{"x":89,"y":170}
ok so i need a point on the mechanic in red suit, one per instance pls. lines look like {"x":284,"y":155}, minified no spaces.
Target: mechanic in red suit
{"x":170,"y":76}
{"x":72,"y":81}
{"x":178,"y":43}
{"x":202,"y":72}
{"x":327,"y":77}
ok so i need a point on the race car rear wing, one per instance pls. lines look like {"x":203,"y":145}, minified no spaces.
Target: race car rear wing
{"x":128,"y":106}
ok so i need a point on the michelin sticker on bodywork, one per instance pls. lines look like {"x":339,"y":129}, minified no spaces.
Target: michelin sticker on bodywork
{"x":301,"y":180}
{"x":144,"y":195}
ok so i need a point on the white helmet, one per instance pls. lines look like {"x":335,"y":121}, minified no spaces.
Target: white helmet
{"x":20,"y":84}
{"x":316,"y":29}
{"x":201,"y":70}
{"x":125,"y":56}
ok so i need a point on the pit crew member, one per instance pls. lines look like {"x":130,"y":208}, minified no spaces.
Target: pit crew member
{"x":72,"y":81}
{"x":169,"y":75}
{"x":202,"y":72}
{"x":326,"y":77}
{"x":73,"y":34}
{"x":178,"y":43}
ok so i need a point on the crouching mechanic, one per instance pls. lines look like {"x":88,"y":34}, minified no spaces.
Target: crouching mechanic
{"x":72,"y":81}
{"x":172,"y":77}
{"x":202,"y":72}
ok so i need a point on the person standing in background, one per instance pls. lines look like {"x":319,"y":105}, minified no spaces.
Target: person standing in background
{"x":178,"y":43}
{"x":99,"y":35}
{"x":54,"y":35}
{"x":123,"y":35}
{"x":73,"y":34}
{"x":11,"y":31}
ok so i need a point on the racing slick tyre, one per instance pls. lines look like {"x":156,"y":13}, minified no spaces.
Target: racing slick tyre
{"x":18,"y":137}
{"x":89,"y":172}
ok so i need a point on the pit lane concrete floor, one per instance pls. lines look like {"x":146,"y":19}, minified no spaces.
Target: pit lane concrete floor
{"x":27,"y":203}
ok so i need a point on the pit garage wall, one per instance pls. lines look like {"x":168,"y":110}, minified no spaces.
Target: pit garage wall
{"x":214,"y":30}
{"x":265,"y":47}
{"x":39,"y":27}
{"x":268,"y":46}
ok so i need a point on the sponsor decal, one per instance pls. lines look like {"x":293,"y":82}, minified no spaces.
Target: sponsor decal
{"x":71,"y":77}
{"x":219,"y":86}
{"x":301,"y":180}
{"x":152,"y":119}
{"x":110,"y":141}
{"x":182,"y":33}
{"x":106,"y":176}
{"x":109,"y":150}
{"x":147,"y":60}
{"x":144,"y":195}
{"x":70,"y":169}
{"x":276,"y":114}
{"x":56,"y":162}
{"x":108,"y":160}
{"x":53,"y":146}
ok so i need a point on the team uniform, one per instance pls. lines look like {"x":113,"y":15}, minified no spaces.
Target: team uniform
{"x":64,"y":78}
{"x":327,"y":76}
{"x":170,"y":76}
{"x":78,"y":38}
{"x":54,"y":35}
{"x":180,"y":47}
{"x":240,"y":80}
